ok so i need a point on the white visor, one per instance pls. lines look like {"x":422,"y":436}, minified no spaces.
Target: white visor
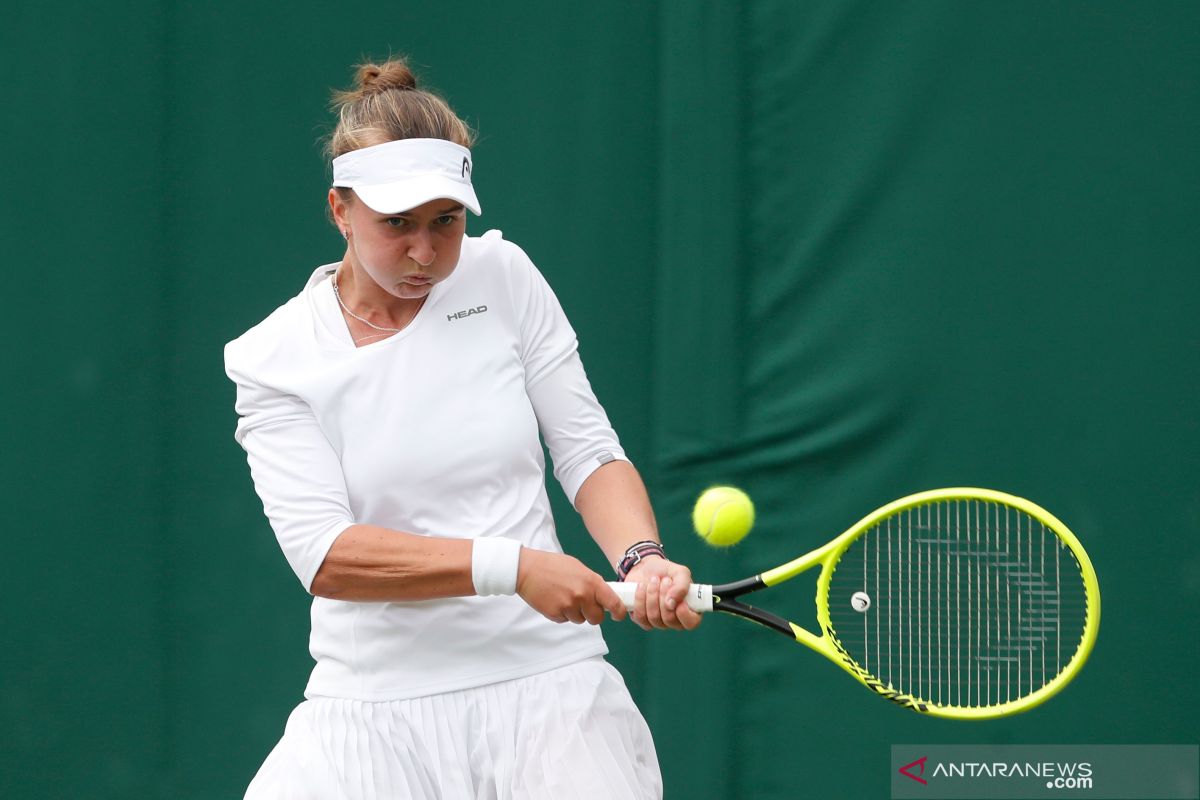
{"x":397,"y":176}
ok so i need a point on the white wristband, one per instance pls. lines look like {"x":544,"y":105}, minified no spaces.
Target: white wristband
{"x":494,"y":563}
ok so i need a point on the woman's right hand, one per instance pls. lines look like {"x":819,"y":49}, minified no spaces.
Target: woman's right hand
{"x":562,"y":589}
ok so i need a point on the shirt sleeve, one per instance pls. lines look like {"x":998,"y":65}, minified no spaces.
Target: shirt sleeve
{"x":573,"y":424}
{"x":296,"y":472}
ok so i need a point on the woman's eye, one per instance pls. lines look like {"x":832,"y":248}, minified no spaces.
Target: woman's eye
{"x":396,"y":222}
{"x":446,"y":219}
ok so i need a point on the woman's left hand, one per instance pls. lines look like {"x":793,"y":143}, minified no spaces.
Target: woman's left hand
{"x":661,"y":599}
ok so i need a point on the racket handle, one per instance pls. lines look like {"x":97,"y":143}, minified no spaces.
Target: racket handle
{"x":699,"y":596}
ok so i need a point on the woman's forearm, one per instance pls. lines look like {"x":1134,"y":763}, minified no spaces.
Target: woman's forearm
{"x":616,"y":509}
{"x":368,"y":563}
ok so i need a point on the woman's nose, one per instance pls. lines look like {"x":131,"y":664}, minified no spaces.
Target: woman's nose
{"x":420,"y":248}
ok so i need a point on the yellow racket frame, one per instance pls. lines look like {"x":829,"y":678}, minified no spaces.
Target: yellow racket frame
{"x":827,"y":645}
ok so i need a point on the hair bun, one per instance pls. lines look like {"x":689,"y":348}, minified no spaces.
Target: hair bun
{"x":391,"y":74}
{"x":385,"y":105}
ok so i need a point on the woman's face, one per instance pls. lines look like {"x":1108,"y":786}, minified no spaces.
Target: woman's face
{"x":405,"y":253}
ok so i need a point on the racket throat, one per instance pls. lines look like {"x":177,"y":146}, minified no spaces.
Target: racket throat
{"x":724,"y":598}
{"x":764,"y":618}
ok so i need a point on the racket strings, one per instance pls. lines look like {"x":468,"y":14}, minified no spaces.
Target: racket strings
{"x":972,"y":603}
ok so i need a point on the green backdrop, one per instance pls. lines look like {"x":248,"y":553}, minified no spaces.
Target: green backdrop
{"x":833,"y":252}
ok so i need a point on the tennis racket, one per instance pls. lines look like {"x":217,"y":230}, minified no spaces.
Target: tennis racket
{"x":958,"y":603}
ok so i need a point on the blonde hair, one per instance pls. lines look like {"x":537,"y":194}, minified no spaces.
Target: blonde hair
{"x":386,"y":105}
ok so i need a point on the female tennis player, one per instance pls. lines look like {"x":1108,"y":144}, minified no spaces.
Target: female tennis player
{"x":390,"y":414}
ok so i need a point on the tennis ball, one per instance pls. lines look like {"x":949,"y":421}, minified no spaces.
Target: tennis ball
{"x":723,"y":516}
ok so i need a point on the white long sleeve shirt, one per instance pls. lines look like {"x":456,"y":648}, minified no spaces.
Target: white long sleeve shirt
{"x":432,"y":431}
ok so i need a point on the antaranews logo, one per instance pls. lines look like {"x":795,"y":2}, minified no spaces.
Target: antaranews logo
{"x":1056,"y":774}
{"x":1016,"y":772}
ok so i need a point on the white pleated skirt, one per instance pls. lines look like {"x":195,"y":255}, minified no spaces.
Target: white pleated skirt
{"x":573,"y":733}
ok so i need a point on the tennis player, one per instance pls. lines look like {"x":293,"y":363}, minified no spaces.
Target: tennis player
{"x":390,"y":414}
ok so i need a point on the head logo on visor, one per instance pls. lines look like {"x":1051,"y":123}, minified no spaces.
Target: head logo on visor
{"x":401,"y":175}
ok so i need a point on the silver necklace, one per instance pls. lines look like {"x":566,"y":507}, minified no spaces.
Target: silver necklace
{"x":366,"y":322}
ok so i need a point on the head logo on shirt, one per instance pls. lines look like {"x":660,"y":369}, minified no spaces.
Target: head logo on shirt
{"x":464,"y":314}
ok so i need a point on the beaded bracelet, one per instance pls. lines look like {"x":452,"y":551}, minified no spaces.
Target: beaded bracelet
{"x":635,"y":554}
